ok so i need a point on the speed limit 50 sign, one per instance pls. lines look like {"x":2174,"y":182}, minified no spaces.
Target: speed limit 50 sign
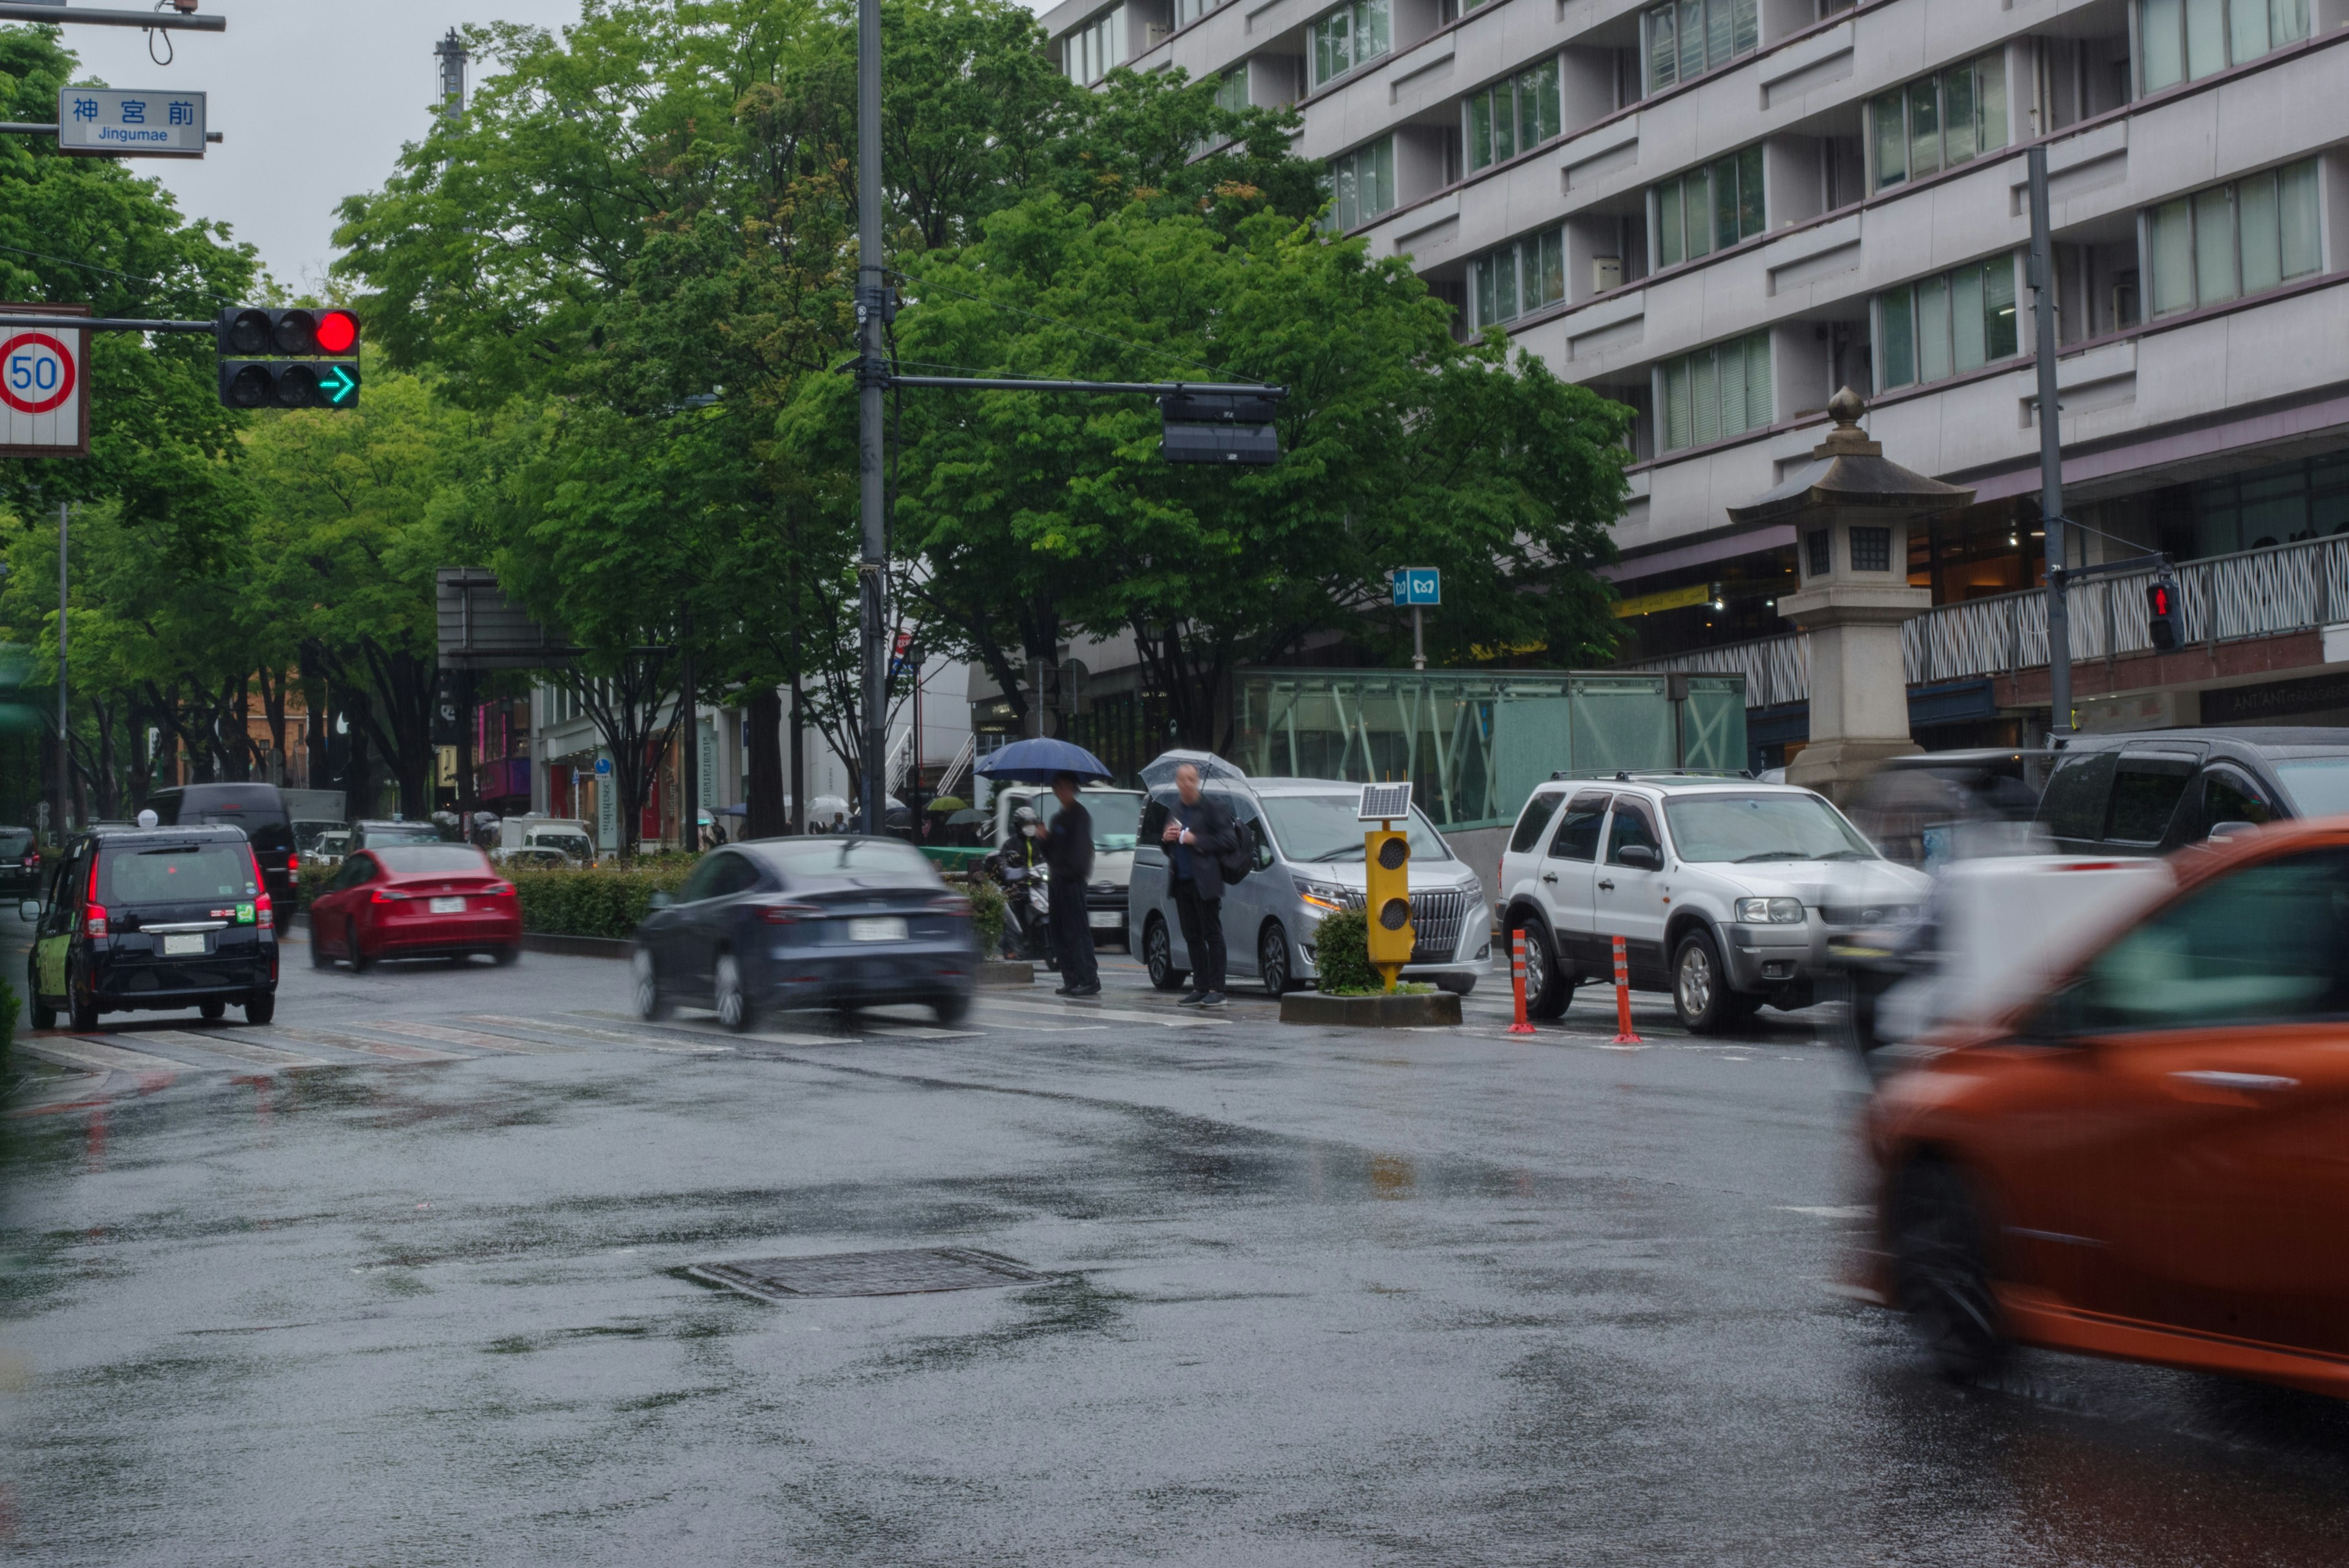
{"x":44,"y":386}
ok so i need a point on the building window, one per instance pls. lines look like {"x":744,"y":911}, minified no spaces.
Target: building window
{"x":1095,"y":49}
{"x":1189,"y":11}
{"x":2244,"y":238}
{"x":1946,"y":119}
{"x":1512,"y":116}
{"x":1871,"y":549}
{"x":1689,"y":37}
{"x":1947,"y":325}
{"x":1709,"y":209}
{"x":1361,"y":184}
{"x":2186,"y":40}
{"x":1232,"y":92}
{"x":1519,"y":278}
{"x":1715,"y":393}
{"x":1350,"y":36}
{"x":1820,"y":543}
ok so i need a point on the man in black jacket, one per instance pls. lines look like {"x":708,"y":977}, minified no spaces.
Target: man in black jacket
{"x":1200,"y":834}
{"x":1068,"y":855}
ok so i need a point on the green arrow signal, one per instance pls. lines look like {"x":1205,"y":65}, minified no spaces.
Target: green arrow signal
{"x":338,"y":385}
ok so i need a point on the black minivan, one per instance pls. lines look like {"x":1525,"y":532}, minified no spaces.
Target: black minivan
{"x":258,"y":808}
{"x":153,"y":918}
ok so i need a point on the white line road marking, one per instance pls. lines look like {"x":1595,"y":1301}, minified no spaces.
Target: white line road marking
{"x":1086,"y":1010}
{"x":260,"y":1055}
{"x":383,"y":1048}
{"x":471,"y":1037}
{"x":1828,"y":1211}
{"x":104,"y":1058}
{"x":607,"y":1036}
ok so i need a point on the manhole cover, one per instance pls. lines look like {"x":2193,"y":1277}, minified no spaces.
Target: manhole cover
{"x":870,"y":1273}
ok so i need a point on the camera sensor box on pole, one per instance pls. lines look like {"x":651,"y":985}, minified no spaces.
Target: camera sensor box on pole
{"x":1219,"y":428}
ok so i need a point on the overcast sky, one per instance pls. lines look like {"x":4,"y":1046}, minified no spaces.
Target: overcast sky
{"x":315,"y":98}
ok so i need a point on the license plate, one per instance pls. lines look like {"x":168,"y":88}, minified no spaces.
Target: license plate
{"x":448,"y":905}
{"x":878,"y":929}
{"x":190,"y":945}
{"x":1104,"y":919}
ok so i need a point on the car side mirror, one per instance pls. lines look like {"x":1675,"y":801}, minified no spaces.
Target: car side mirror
{"x":2219,"y":830}
{"x":662,"y":901}
{"x":29,"y":909}
{"x":1640,"y":857}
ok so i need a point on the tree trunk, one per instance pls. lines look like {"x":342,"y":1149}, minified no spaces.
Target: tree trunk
{"x":766,"y":816}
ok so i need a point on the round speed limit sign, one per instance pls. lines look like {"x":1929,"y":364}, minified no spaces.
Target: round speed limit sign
{"x":37,"y":373}
{"x":42,"y":398}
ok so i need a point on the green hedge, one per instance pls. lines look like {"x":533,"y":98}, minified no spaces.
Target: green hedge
{"x":1341,"y":955}
{"x":987,"y":912}
{"x":604,"y":901}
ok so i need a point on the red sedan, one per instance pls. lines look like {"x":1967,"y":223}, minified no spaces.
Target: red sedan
{"x":414,"y":900}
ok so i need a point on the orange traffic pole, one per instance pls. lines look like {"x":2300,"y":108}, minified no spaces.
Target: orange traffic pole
{"x":1517,"y":980}
{"x":1623,"y":1032}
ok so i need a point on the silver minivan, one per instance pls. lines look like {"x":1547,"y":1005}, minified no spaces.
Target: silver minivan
{"x":1307,"y":843}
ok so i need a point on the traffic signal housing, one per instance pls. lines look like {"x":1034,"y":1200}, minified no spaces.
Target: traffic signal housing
{"x":292,"y":358}
{"x":1218,"y":428}
{"x":2161,"y":613}
{"x":1388,"y":856}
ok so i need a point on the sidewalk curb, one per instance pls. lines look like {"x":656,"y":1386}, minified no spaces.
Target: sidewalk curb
{"x":575,"y":947}
{"x":1418,"y":1011}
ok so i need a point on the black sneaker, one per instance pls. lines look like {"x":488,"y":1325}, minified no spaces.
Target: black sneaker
{"x":1064,"y":991}
{"x":1193,"y":1000}
{"x":1213,"y":999}
{"x":1085,"y":991}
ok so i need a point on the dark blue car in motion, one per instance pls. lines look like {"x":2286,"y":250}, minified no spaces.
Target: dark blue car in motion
{"x":825,"y":923}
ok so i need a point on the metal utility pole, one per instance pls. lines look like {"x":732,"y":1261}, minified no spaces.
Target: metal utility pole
{"x":2051,"y":452}
{"x":65,"y":750}
{"x":689,"y":741}
{"x":871,"y":291}
{"x":454,"y":56}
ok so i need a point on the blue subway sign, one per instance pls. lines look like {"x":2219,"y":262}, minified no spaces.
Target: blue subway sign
{"x":1418,"y":585}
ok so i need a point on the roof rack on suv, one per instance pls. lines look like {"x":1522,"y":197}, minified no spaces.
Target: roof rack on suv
{"x":1626,"y":775}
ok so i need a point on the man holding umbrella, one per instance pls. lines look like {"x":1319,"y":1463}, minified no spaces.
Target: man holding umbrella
{"x":1067,"y":845}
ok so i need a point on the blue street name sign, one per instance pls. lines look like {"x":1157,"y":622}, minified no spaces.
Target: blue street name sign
{"x":1418,"y":585}
{"x":112,"y":122}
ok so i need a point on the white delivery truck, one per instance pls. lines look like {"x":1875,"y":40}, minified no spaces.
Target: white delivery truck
{"x":538,"y":839}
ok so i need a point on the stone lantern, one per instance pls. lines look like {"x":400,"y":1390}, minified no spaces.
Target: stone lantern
{"x":1851,"y":509}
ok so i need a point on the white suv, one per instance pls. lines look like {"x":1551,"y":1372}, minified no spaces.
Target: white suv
{"x":1724,"y":890}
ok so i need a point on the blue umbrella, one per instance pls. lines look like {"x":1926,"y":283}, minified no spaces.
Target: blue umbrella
{"x":1040,"y":760}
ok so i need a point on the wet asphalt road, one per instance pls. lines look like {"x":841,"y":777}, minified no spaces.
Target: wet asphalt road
{"x":1434,"y":1297}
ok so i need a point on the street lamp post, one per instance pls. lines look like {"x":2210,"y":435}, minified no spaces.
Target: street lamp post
{"x":65,"y":748}
{"x":871,"y":287}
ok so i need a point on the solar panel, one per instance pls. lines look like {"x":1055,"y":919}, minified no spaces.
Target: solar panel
{"x":1385,"y":801}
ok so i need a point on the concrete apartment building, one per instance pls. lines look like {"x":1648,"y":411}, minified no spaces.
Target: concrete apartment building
{"x":1718,"y":211}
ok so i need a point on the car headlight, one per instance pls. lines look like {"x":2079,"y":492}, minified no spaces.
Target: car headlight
{"x":1770,"y":911}
{"x":1327,"y":896}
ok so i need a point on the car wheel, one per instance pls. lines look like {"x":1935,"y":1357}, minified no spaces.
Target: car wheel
{"x":212,"y":1011}
{"x":951,"y":1009}
{"x":1158,"y":956}
{"x":507,"y":955}
{"x":732,"y":1001}
{"x":1940,"y":1267}
{"x":44,"y":1015}
{"x":83,"y":1006}
{"x":644,"y":978}
{"x":260,"y":1010}
{"x":1272,"y":960}
{"x":319,"y":957}
{"x":357,"y":952}
{"x":1548,"y":987}
{"x":1701,"y":993}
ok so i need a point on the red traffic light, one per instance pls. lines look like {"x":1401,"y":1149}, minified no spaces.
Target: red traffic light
{"x":2159,"y":597}
{"x":338,"y":332}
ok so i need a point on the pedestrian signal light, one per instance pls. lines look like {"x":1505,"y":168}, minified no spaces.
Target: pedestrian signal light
{"x":2161,"y":613}
{"x":1387,"y":854}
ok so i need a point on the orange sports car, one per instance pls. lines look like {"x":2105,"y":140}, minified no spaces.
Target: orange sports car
{"x":2149,"y":1160}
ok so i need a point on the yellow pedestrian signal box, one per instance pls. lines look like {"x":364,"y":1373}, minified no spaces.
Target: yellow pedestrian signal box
{"x":1388,"y":854}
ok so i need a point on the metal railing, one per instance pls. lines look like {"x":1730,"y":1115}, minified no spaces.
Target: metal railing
{"x":2270,"y":592}
{"x":956,"y":769}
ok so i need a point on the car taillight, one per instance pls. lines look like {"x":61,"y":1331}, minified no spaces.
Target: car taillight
{"x":950,"y":904}
{"x":94,"y":919}
{"x":262,"y":914}
{"x":787,"y":913}
{"x":500,"y":889}
{"x":388,"y":896}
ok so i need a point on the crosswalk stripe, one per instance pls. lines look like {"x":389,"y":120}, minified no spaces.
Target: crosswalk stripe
{"x":473,"y":1037}
{"x":607,"y":1036}
{"x":1086,"y":1010}
{"x":102,"y":1057}
{"x":384,"y":1048}
{"x":223,"y":1045}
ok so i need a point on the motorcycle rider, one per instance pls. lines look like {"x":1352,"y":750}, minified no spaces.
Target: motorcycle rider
{"x":1024,"y":873}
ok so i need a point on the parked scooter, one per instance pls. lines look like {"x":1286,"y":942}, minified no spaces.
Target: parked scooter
{"x":1018,"y":870}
